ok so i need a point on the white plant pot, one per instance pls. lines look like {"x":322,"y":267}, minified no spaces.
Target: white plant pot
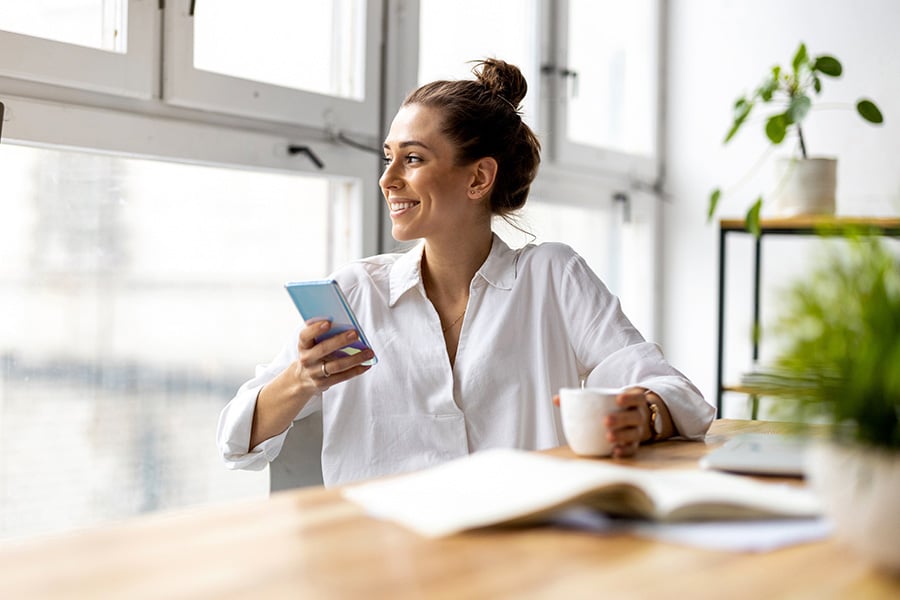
{"x":804,"y":186}
{"x":860,"y":490}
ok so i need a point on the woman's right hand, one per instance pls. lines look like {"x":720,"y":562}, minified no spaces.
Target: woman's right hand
{"x":317,"y":369}
{"x":319,"y":365}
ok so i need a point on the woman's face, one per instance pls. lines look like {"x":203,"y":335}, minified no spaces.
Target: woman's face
{"x":426,"y":191}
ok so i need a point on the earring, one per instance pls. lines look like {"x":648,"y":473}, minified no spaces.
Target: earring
{"x":475,"y":193}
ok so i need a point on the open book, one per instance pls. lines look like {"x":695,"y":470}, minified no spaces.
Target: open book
{"x":502,"y":486}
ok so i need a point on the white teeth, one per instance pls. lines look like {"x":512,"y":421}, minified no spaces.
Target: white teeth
{"x":395,"y":206}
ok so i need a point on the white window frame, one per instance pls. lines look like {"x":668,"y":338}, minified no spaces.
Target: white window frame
{"x":132,"y":74}
{"x":186,"y":86}
{"x":643,"y":170}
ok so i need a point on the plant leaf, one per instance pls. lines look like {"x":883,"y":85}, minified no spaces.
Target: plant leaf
{"x":868,"y":111}
{"x":800,"y":58}
{"x":752,"y":220}
{"x":776,"y":73}
{"x":828,"y":65}
{"x":776,"y":128}
{"x":713,"y":203}
{"x":742,"y":110}
{"x":769,"y":85}
{"x":817,"y":84}
{"x":798,"y":108}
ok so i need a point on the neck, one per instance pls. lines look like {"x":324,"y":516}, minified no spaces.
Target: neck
{"x":448,"y":268}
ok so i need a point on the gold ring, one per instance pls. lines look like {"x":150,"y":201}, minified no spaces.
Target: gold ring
{"x":325,"y":373}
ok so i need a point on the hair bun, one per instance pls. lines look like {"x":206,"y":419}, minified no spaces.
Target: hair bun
{"x":501,"y":79}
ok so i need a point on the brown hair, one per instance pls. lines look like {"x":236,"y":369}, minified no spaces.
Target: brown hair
{"x":482,"y":118}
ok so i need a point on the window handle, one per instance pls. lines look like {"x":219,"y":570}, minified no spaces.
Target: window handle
{"x":294,"y":149}
{"x":1,"y":121}
{"x":162,"y":6}
{"x":625,"y":201}
{"x":565,"y":73}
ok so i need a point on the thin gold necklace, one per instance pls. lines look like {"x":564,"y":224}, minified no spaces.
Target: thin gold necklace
{"x":444,"y":330}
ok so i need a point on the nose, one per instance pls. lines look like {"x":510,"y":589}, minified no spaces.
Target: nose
{"x":389,"y":179}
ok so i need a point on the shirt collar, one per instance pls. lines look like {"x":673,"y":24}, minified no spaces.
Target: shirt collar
{"x":406,"y":273}
{"x":499,"y":270}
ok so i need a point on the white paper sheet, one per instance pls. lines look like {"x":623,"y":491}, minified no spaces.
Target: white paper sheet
{"x":731,"y":536}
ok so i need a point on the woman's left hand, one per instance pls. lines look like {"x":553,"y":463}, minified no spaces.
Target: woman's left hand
{"x":627,"y":427}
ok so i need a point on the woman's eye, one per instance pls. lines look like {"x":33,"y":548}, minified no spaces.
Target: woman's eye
{"x":408,"y":159}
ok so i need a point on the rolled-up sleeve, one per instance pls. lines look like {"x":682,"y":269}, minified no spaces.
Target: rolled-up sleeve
{"x":616,"y":355}
{"x":236,"y":418}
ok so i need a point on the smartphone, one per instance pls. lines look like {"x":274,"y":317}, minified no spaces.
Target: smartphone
{"x":323,"y":300}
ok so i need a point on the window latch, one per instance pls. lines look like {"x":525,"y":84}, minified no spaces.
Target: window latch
{"x":621,"y":198}
{"x":565,"y":73}
{"x":294,"y":149}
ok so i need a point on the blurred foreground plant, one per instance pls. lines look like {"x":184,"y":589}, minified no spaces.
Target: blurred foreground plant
{"x":840,"y":335}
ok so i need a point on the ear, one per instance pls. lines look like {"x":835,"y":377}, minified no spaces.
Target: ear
{"x":484,"y":173}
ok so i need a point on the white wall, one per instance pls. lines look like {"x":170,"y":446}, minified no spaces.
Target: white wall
{"x":719,"y":49}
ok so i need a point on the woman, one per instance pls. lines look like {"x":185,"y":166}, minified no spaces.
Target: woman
{"x":473,"y":338}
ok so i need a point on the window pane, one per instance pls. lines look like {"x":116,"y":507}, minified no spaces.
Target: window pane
{"x":612,"y":47}
{"x":136,"y":297}
{"x":93,"y":23}
{"x":504,"y":29}
{"x":586,"y":229}
{"x":313,"y":45}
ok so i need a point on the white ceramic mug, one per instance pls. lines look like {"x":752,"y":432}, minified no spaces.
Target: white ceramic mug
{"x":583,"y":412}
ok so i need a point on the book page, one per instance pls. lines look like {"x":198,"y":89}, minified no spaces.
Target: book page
{"x":502,"y":486}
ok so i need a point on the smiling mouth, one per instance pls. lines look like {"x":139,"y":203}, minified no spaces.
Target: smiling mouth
{"x":399,"y":207}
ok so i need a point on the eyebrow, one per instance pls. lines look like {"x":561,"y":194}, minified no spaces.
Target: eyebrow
{"x":407,"y":144}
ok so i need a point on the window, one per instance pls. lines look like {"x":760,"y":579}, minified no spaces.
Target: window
{"x":92,"y":23}
{"x":139,"y":295}
{"x":99,"y":45}
{"x":326,"y":58}
{"x":605,"y":76}
{"x":145,"y":242}
{"x":312,"y":63}
{"x":504,"y":29}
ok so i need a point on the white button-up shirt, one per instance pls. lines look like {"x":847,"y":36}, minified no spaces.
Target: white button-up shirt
{"x":538,"y":319}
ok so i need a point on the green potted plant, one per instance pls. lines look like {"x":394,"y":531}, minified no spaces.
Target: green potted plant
{"x":806,"y":184}
{"x":839,"y":360}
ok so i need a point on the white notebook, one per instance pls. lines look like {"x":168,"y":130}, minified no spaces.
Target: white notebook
{"x":759,"y":454}
{"x":494,"y":487}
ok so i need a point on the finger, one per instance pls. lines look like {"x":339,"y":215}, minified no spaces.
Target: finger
{"x":323,"y":383}
{"x":624,"y":419}
{"x":556,"y":399}
{"x":631,"y":398}
{"x":339,"y":365}
{"x":625,"y":450}
{"x":624,"y":436}
{"x":309,"y":333}
{"x":326,"y":348}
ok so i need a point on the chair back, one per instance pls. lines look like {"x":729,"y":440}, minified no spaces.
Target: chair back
{"x":300,"y":462}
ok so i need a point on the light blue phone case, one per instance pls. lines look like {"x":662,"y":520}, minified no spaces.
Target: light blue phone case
{"x":323,"y":300}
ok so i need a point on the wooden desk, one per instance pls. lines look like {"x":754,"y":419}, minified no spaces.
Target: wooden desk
{"x":313,"y":544}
